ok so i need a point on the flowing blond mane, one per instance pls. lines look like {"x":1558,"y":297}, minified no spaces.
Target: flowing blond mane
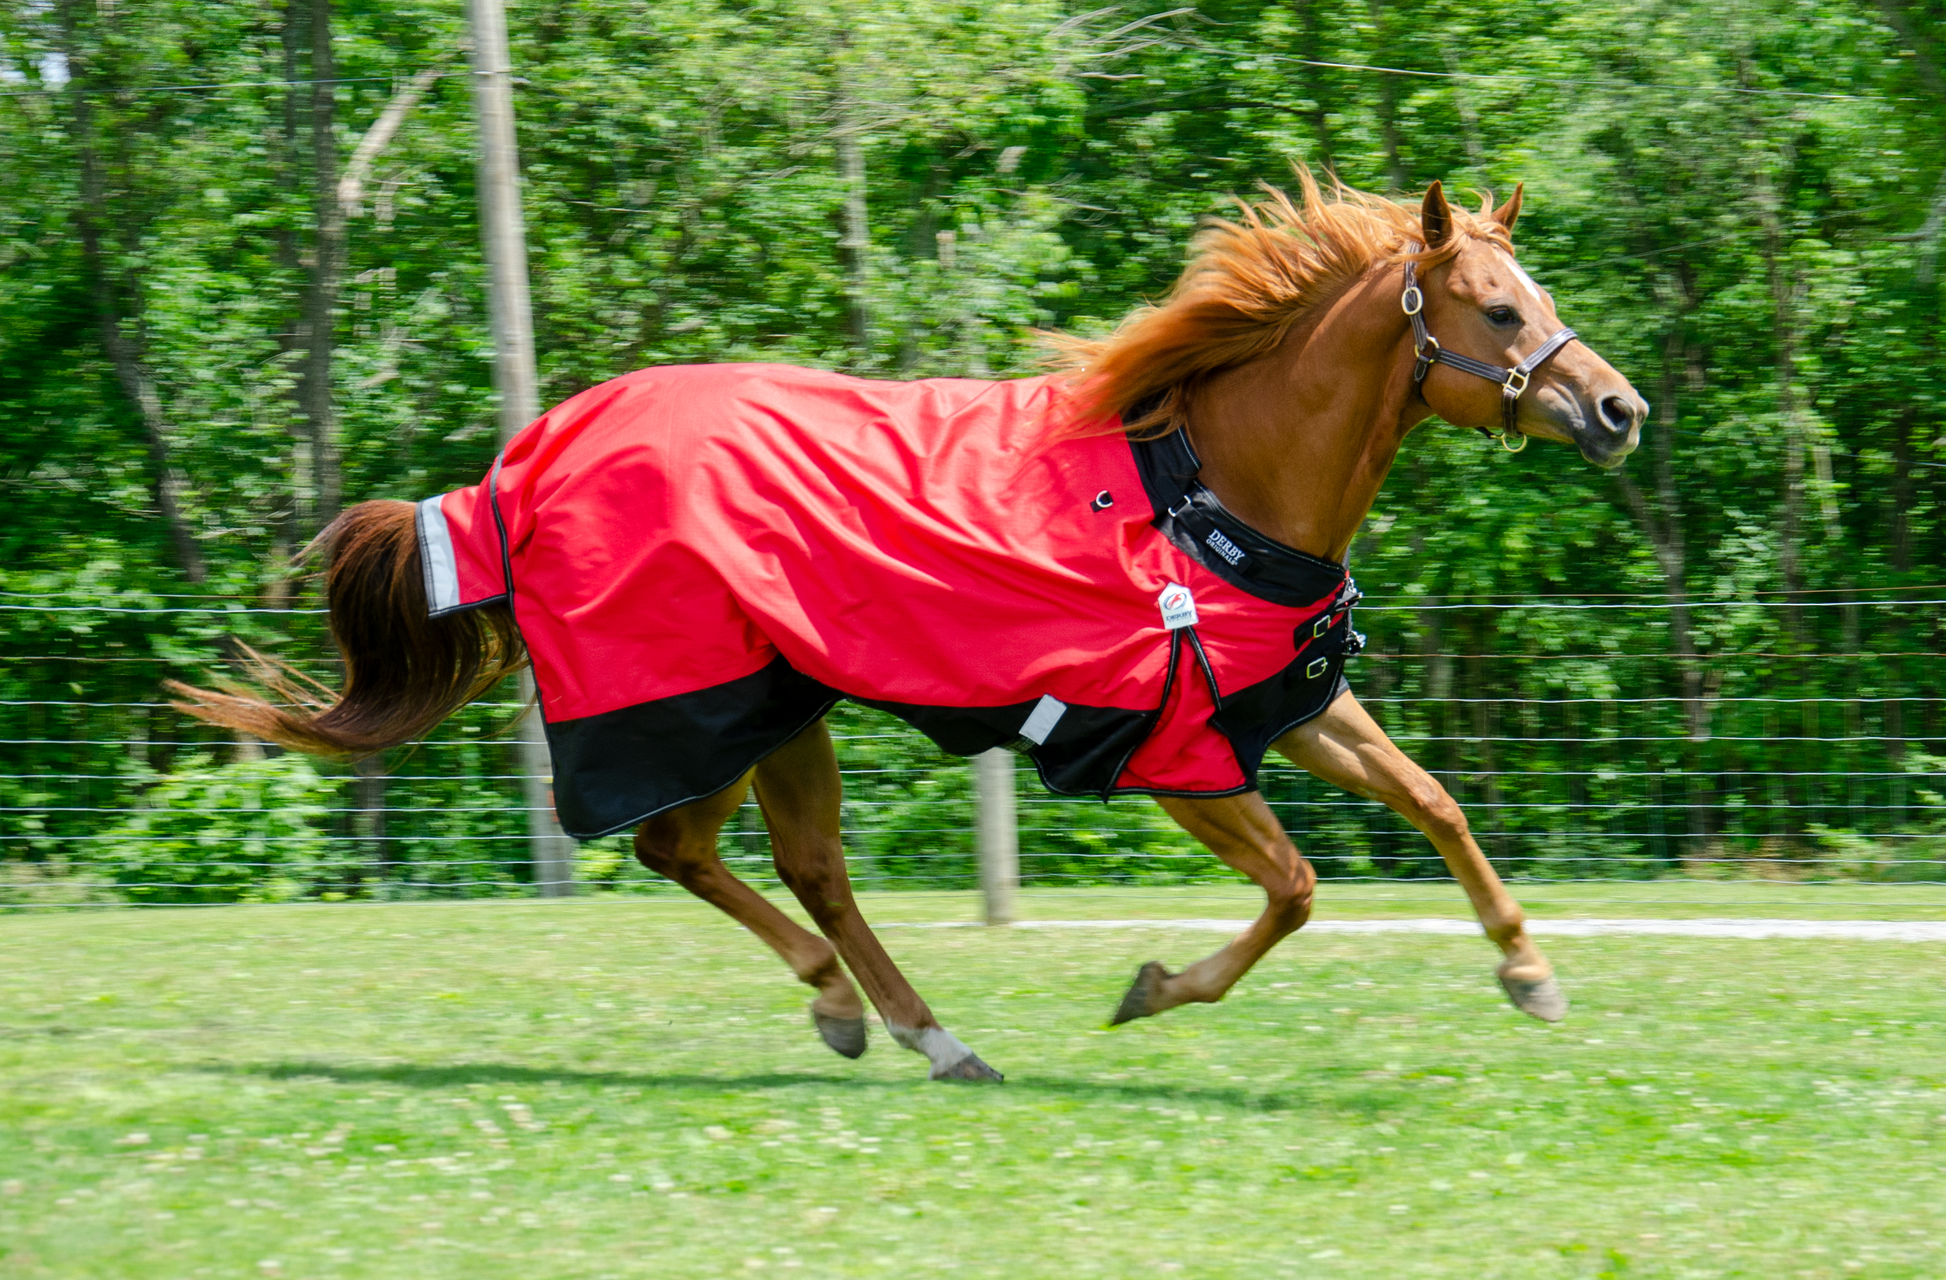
{"x":1249,"y":282}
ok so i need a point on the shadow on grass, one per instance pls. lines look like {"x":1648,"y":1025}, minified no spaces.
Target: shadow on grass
{"x":1347,"y":1089}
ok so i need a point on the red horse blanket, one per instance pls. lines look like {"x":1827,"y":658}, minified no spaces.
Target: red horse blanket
{"x":704,"y":559}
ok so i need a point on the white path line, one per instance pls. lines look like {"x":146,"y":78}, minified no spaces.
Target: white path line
{"x":1859,"y":930}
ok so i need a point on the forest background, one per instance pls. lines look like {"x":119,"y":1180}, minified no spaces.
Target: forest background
{"x":241,"y":286}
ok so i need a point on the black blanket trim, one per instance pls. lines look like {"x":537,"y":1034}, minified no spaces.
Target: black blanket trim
{"x":1190,"y":516}
{"x":691,"y":745}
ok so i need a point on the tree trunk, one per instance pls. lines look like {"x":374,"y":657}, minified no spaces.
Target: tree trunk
{"x":1783,"y":334}
{"x":1469,"y":119}
{"x":1909,"y":26}
{"x":856,"y":244}
{"x":117,"y":313}
{"x":1485,"y":716}
{"x":1312,"y":50}
{"x":1440,"y":691}
{"x":327,"y":271}
{"x":1663,"y":525}
{"x":289,"y":152}
{"x":1435,"y":683}
{"x":1388,"y":103}
{"x":351,"y":186}
{"x":1437,"y":672}
{"x":1790,"y":533}
{"x":973,"y":357}
{"x":517,"y":380}
{"x":289,"y":147}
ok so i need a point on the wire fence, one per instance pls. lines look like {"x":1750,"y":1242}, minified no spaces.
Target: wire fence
{"x":1582,"y":739}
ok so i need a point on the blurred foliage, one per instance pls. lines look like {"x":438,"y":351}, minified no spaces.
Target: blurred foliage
{"x":242,"y":832}
{"x":1740,"y":205}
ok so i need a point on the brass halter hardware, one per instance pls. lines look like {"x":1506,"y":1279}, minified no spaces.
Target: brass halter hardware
{"x":1513,"y":382}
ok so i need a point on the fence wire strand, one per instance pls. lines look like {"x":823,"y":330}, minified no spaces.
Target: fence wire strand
{"x":1568,"y":774}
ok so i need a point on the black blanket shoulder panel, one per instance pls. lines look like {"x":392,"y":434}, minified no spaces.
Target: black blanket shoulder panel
{"x":1192,"y":518}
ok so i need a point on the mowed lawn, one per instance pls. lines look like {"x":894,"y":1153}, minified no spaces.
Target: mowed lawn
{"x":631,"y":1088}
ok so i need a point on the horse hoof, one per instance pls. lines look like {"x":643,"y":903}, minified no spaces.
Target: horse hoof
{"x":968,"y":1068}
{"x":1144,"y":999}
{"x":844,"y":1035}
{"x":1544,"y":999}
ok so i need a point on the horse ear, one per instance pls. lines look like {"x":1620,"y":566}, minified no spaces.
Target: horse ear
{"x":1507,"y":212}
{"x":1435,"y":218}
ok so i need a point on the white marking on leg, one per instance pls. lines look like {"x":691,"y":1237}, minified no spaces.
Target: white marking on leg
{"x":941,"y":1047}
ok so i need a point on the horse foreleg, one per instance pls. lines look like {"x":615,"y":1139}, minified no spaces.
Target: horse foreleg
{"x":681,"y":844}
{"x":1243,"y":832}
{"x":800,"y":791}
{"x":1346,"y":747}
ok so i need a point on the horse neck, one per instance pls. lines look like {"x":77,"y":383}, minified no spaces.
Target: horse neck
{"x":1297,"y":442}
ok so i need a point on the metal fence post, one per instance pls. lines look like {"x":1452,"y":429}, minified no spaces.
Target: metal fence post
{"x":993,"y":787}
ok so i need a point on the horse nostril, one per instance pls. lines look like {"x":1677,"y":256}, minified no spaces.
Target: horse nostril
{"x":1617,"y":413}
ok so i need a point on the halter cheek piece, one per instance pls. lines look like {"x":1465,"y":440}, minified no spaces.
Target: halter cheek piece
{"x":1512,"y":381}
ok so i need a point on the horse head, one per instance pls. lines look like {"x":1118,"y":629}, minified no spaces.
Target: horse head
{"x":1492,"y":353}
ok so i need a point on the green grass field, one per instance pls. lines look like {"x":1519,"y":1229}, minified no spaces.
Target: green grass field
{"x":630,"y":1088}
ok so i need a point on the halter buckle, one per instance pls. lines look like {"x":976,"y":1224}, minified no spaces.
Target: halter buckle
{"x":1427,"y":352}
{"x":1516,"y":383}
{"x":1414,"y":300}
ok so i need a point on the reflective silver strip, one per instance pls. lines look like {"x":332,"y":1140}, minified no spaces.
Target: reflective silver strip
{"x":1046,"y":714}
{"x":436,"y":554}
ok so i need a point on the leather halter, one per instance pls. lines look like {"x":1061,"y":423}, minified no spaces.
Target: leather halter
{"x":1513,"y":382}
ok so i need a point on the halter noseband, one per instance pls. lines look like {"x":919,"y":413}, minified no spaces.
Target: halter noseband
{"x":1512,"y":381}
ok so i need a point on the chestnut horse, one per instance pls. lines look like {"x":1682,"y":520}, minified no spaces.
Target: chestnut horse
{"x":1300,"y":347}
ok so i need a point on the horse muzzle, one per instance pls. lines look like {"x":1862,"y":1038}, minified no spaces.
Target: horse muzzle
{"x":1610,"y":427}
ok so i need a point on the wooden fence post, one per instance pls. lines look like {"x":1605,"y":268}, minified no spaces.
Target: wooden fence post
{"x":993,"y":786}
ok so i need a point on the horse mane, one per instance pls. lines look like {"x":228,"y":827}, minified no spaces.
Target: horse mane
{"x":1249,"y":282}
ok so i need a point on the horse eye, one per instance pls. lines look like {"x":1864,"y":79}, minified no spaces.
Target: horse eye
{"x":1503,"y":315}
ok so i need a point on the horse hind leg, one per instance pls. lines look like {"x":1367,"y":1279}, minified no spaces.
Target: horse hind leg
{"x":1243,"y":832}
{"x":800,"y":791}
{"x":681,"y":844}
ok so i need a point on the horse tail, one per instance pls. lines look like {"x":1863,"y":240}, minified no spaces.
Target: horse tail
{"x":404,"y":671}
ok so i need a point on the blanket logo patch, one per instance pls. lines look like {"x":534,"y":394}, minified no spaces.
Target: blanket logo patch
{"x":1178,"y":606}
{"x":1222,"y":546}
